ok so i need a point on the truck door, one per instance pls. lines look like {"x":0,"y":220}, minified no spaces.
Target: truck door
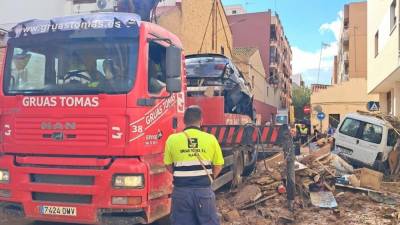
{"x":160,"y":118}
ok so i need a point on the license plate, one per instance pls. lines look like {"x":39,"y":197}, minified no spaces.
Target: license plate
{"x":57,"y":211}
{"x":344,"y":151}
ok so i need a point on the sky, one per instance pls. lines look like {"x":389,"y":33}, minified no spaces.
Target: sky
{"x":307,"y":24}
{"x":13,"y":11}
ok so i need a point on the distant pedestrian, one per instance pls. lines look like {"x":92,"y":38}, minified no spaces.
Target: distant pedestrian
{"x":195,"y":159}
{"x":316,"y":134}
{"x":303,"y":134}
{"x":331,"y":131}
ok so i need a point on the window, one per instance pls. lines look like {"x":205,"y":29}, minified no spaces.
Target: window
{"x":70,"y":66}
{"x":372,"y":133}
{"x":393,"y":18}
{"x":28,"y":70}
{"x":376,"y":43}
{"x":389,"y":102}
{"x":350,"y":127}
{"x":273,"y":33}
{"x":156,"y":68}
{"x":392,"y":138}
{"x":222,"y":50}
{"x":234,"y":12}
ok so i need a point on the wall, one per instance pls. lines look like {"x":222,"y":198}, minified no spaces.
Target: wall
{"x":380,"y":67}
{"x":266,"y":99}
{"x":234,"y":9}
{"x":253,"y":30}
{"x":358,"y":39}
{"x":335,"y":99}
{"x":189,"y":21}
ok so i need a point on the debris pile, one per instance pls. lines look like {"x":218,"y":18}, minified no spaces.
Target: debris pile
{"x":329,"y":191}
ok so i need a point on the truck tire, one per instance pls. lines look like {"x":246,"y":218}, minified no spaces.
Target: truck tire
{"x":237,"y":167}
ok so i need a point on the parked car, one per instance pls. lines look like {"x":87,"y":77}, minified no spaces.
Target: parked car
{"x":365,"y":141}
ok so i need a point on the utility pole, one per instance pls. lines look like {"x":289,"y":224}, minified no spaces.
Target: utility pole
{"x":323,"y":46}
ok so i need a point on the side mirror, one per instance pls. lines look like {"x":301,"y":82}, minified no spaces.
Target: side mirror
{"x":174,"y":85}
{"x":174,"y":69}
{"x":173,"y":62}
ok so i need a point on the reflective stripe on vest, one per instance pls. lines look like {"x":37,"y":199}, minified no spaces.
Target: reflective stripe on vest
{"x":192,"y":168}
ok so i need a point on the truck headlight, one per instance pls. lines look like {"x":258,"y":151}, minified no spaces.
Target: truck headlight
{"x":128,"y":181}
{"x":4,"y":176}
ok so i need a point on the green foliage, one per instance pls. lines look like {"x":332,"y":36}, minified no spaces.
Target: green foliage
{"x":301,"y":98}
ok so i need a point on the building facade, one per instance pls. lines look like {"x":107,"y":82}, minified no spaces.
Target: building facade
{"x":348,"y":92}
{"x":384,"y":53}
{"x":297,"y":81}
{"x":338,"y":100}
{"x":202,"y":26}
{"x":266,"y":99}
{"x":268,"y":36}
{"x":234,"y":9}
{"x":351,"y":61}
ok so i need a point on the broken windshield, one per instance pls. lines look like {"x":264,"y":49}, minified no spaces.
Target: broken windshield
{"x":70,"y":66}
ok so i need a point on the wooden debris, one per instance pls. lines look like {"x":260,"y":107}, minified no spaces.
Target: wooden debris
{"x":258,"y":201}
{"x":369,"y":178}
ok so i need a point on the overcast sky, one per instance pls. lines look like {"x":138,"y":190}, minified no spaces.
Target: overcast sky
{"x":13,"y":11}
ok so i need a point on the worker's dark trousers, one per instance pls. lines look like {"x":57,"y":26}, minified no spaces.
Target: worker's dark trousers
{"x":193,"y":206}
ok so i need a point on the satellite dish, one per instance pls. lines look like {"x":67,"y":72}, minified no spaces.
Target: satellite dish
{"x":317,"y":108}
{"x":101,"y":4}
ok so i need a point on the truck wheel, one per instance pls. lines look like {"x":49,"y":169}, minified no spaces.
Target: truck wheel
{"x":237,"y":169}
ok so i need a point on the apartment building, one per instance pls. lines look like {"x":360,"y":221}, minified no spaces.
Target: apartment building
{"x":265,"y":32}
{"x":189,"y":20}
{"x":351,"y":61}
{"x":234,"y":9}
{"x":384,"y":53}
{"x":348,"y":92}
{"x":250,"y":64}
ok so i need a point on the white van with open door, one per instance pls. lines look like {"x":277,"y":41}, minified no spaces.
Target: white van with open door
{"x":365,"y":140}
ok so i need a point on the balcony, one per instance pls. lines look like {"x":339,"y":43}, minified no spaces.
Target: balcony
{"x":345,"y":37}
{"x":346,"y":57}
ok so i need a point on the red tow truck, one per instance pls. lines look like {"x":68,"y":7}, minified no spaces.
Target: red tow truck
{"x":87,"y":103}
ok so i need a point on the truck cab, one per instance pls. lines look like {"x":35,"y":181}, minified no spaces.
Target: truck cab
{"x":87,"y":103}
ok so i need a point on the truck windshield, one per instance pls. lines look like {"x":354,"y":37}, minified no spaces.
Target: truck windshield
{"x":281,"y":119}
{"x":70,"y":66}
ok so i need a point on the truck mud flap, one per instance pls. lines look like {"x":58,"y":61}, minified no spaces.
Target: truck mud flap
{"x":229,"y":136}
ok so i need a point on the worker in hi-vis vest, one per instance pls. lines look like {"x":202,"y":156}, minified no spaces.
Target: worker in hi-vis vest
{"x":195,"y":159}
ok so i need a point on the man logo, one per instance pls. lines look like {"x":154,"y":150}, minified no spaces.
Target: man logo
{"x":58,"y":126}
{"x":193,"y":143}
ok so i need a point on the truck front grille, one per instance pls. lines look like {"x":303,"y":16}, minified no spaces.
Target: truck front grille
{"x":62,"y":179}
{"x":61,"y":198}
{"x":76,"y":132}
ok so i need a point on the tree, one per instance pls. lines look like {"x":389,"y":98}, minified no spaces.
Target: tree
{"x":300,"y":97}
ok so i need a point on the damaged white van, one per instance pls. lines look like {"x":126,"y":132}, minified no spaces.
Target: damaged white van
{"x":365,"y":140}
